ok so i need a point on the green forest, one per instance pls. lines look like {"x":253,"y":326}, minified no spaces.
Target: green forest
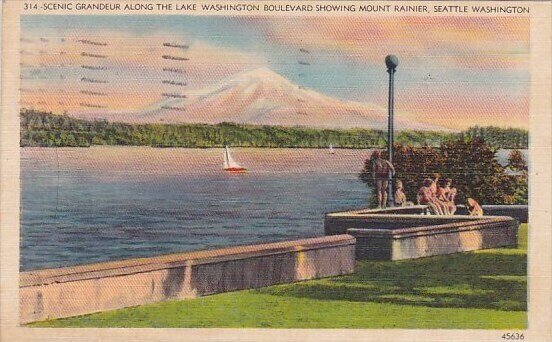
{"x":52,"y":130}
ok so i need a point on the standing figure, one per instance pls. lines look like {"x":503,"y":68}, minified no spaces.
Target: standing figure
{"x":380,"y":173}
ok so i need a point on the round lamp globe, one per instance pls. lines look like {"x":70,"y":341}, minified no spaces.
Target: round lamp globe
{"x":391,"y":61}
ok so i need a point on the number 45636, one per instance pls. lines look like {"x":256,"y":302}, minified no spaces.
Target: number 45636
{"x":513,"y":336}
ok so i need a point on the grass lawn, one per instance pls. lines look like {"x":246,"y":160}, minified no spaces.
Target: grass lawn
{"x":481,"y":290}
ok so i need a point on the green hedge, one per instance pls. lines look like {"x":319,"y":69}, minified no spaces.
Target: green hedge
{"x":470,"y":163}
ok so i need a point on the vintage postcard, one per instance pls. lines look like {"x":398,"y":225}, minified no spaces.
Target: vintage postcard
{"x":271,"y":170}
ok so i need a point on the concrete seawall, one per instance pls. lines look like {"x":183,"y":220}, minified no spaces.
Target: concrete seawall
{"x":71,"y":291}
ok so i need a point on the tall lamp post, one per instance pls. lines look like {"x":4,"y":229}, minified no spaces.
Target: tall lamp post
{"x":391,"y":61}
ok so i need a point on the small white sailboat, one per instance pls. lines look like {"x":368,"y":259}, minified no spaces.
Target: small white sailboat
{"x":332,"y":149}
{"x":230,"y":164}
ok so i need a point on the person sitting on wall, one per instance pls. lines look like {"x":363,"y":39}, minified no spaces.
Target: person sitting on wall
{"x":474,"y":209}
{"x":426,"y":196}
{"x":453,"y":191}
{"x":380,"y":173}
{"x":442,"y":204}
{"x":446,"y":195}
{"x":435,"y":188}
{"x":400,"y":196}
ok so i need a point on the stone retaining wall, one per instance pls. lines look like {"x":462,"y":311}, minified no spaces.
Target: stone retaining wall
{"x":519,"y":211}
{"x":418,"y":242}
{"x":403,"y":233}
{"x":392,"y":218}
{"x":71,"y":291}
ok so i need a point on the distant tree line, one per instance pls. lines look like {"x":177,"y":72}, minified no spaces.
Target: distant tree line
{"x":511,"y":138}
{"x":48,"y":130}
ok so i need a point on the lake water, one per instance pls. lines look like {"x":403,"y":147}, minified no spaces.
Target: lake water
{"x":84,"y":205}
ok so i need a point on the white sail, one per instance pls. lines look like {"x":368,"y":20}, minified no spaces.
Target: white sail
{"x":229,"y":162}
{"x":225,"y":164}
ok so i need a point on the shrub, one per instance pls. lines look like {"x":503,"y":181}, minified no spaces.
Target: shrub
{"x":470,"y":163}
{"x":516,"y":161}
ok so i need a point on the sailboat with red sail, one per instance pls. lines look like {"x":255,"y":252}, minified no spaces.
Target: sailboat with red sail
{"x":230,"y":164}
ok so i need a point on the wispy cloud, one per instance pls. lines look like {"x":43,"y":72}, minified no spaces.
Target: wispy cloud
{"x":456,"y":71}
{"x":497,"y":43}
{"x":129,"y":69}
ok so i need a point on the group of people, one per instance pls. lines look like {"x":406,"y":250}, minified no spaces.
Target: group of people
{"x":437,"y":194}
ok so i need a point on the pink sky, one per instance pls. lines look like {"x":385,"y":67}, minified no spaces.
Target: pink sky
{"x":456,"y":72}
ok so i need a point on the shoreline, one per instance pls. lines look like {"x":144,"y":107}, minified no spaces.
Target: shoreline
{"x":237,"y":147}
{"x":213,"y":147}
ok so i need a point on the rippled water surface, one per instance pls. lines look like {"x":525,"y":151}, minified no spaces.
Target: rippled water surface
{"x":83,"y":205}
